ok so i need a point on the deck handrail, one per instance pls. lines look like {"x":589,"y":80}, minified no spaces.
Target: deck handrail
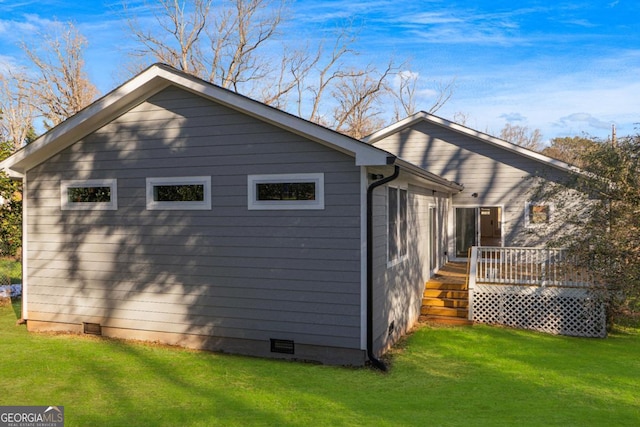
{"x":527,"y":266}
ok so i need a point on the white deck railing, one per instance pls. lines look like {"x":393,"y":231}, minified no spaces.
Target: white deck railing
{"x":527,"y":266}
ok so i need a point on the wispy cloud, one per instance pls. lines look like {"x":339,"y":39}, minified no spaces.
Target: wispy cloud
{"x":585,"y":23}
{"x":433,"y":18}
{"x":583,"y":118}
{"x":513,"y":117}
{"x":467,"y":25}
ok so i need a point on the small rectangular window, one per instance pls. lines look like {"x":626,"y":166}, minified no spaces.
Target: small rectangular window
{"x":286,"y":191}
{"x":537,"y":214}
{"x":179,"y":193}
{"x":91,"y":194}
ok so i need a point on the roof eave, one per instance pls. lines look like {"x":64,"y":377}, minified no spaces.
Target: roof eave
{"x":434,"y":180}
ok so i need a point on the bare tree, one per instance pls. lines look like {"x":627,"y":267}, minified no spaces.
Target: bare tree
{"x":461,"y":118}
{"x":218,"y":41}
{"x":405,"y":104}
{"x":17,"y":110}
{"x":231,"y":43}
{"x":444,"y":92}
{"x":358,"y":110}
{"x":521,"y":135}
{"x":407,"y":91}
{"x":176,"y":39}
{"x":62,"y":86}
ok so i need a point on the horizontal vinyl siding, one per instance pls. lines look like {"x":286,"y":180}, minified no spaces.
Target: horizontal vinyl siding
{"x":498,"y":177}
{"x":398,"y":288}
{"x":227,"y":272}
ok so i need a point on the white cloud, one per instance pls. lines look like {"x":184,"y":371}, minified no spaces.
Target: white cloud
{"x":513,"y":117}
{"x":586,"y":118}
{"x":431,"y":18}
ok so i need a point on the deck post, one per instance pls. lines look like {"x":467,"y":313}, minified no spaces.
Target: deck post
{"x":472,"y":270}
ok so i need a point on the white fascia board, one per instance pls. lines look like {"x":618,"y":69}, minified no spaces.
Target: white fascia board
{"x":395,"y":127}
{"x":431,"y":179}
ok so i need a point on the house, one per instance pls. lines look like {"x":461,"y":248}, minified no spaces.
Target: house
{"x":501,"y":204}
{"x":173,"y":210}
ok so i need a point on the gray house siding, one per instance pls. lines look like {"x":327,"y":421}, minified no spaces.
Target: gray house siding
{"x":492,"y":176}
{"x":207,"y":275}
{"x":398,"y":287}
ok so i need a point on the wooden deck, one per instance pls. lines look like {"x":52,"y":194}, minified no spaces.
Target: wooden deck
{"x":446,"y":296}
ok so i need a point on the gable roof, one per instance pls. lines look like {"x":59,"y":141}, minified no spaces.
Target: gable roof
{"x":479,"y":136}
{"x":153,"y":80}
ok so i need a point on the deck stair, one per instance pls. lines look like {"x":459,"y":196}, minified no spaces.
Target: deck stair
{"x":446,"y":296}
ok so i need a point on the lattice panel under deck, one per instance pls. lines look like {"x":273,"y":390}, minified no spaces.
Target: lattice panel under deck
{"x":556,"y":310}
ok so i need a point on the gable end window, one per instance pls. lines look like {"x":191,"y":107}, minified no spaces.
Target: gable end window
{"x":397,"y":224}
{"x":285,"y":191}
{"x":90,"y":194}
{"x":537,"y":214}
{"x":179,"y":193}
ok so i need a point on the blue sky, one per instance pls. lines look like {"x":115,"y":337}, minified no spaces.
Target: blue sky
{"x":564,"y":67}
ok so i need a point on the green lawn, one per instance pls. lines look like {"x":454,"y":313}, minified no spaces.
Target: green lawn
{"x":467,"y":376}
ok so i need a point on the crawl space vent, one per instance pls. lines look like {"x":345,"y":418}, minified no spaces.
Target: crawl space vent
{"x":282,"y":346}
{"x":92,"y":328}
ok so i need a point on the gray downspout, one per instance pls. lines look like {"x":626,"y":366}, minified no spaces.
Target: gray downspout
{"x":374,"y":361}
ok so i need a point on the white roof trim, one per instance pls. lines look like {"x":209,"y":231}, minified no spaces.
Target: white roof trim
{"x":153,"y":80}
{"x":443,"y":183}
{"x":423,"y":116}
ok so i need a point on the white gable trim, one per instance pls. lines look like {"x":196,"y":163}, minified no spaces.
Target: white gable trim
{"x":153,"y":80}
{"x":483,"y":137}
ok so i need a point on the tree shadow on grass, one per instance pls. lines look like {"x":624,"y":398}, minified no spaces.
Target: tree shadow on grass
{"x":16,"y":304}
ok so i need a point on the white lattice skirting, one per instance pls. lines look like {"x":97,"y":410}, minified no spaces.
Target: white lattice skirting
{"x":556,"y":310}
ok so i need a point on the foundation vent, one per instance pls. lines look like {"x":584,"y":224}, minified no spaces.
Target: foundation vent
{"x":282,"y":346}
{"x":92,"y":328}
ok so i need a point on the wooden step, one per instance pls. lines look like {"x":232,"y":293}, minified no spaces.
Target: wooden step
{"x":444,"y":293}
{"x":445,"y":320}
{"x":444,"y":311}
{"x":445,"y":302}
{"x":446,"y":286}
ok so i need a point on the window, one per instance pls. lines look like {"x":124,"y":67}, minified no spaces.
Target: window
{"x":179,"y":193}
{"x":537,"y":214}
{"x":397,"y":224}
{"x":91,"y":194}
{"x":286,"y":191}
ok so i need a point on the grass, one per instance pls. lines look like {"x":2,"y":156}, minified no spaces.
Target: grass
{"x":439,"y":377}
{"x":12,"y":269}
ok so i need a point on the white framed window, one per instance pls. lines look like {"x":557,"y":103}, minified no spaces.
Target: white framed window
{"x":179,"y":193}
{"x":397,"y":224}
{"x":537,"y":214}
{"x":89,"y":194}
{"x":286,"y":191}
